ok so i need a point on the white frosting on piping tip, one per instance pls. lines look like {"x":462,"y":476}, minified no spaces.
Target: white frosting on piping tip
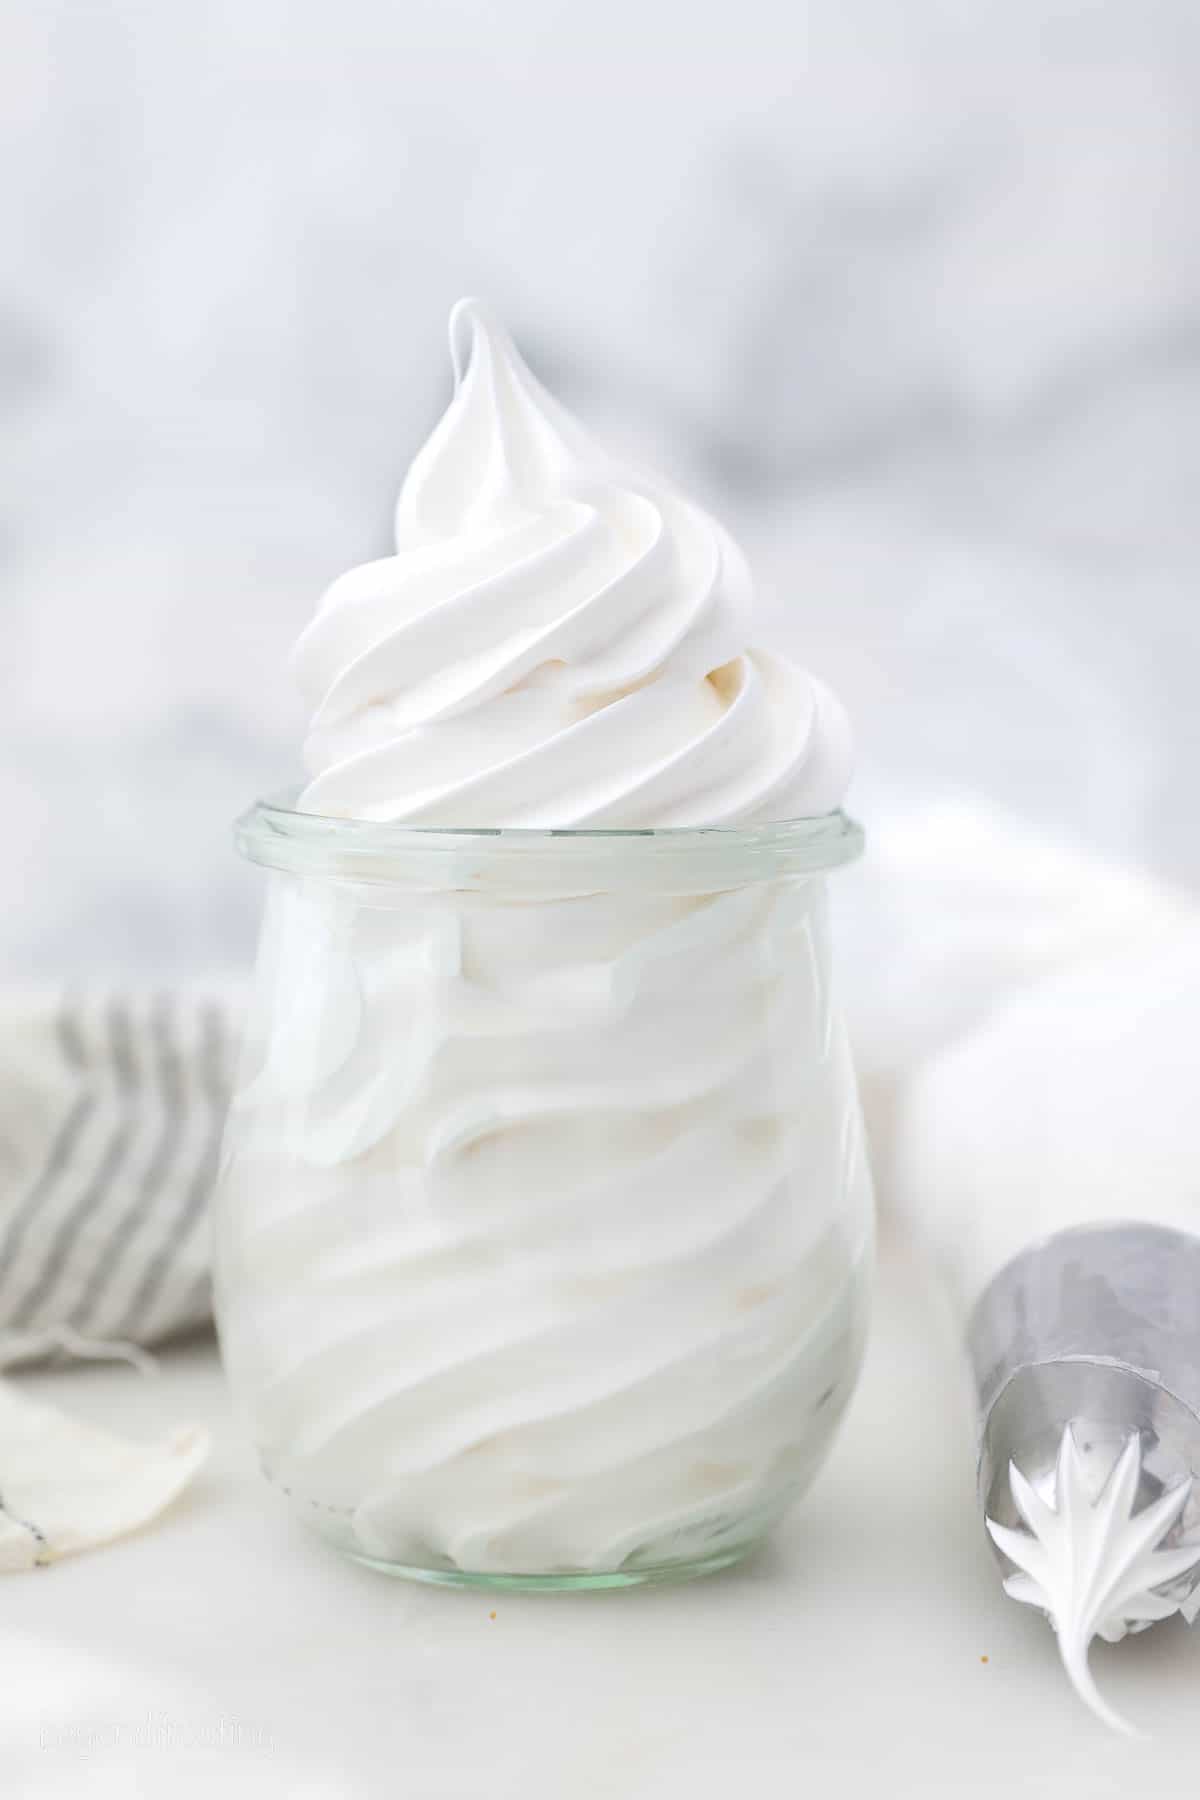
{"x":559,"y":640}
{"x":1092,"y":1564}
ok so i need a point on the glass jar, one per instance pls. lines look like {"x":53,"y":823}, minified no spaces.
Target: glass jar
{"x":544,"y":1224}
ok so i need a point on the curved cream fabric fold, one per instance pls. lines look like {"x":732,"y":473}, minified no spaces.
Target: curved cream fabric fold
{"x":66,"y":1486}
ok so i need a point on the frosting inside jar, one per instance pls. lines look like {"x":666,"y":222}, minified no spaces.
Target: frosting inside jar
{"x":546,"y":1224}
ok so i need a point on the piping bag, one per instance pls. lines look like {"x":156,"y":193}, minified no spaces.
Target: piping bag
{"x":1051,"y":1163}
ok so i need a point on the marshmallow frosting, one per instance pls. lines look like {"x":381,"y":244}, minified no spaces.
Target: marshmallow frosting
{"x":559,"y":641}
{"x":544,"y":1227}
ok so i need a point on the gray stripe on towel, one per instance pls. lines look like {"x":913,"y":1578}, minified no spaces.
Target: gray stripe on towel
{"x":169,"y":1076}
{"x":62,"y":1148}
{"x":103,"y":1181}
{"x":212,"y":1085}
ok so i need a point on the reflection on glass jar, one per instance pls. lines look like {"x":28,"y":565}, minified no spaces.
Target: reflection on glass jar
{"x":544,"y":1224}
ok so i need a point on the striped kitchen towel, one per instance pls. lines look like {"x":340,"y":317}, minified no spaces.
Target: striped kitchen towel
{"x":111,"y":1110}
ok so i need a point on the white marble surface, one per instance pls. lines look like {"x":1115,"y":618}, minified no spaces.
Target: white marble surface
{"x":844,"y":1658}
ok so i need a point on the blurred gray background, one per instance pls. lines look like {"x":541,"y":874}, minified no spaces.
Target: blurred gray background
{"x":910,"y":293}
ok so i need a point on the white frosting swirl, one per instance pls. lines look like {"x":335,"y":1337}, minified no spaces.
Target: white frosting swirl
{"x":559,"y":641}
{"x":546,"y":1219}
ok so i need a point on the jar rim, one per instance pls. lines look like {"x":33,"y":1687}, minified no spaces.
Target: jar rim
{"x":277,"y":834}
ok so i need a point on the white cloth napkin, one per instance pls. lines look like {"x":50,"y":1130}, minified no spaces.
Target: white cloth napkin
{"x":65,"y":1485}
{"x":1074,"y":1102}
{"x":956,"y":909}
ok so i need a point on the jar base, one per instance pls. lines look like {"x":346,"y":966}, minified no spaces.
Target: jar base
{"x":566,"y":1582}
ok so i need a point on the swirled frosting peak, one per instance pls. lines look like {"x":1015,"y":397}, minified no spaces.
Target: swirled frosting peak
{"x":559,"y":640}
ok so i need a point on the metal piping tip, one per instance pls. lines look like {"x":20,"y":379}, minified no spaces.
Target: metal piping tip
{"x":1086,"y":1352}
